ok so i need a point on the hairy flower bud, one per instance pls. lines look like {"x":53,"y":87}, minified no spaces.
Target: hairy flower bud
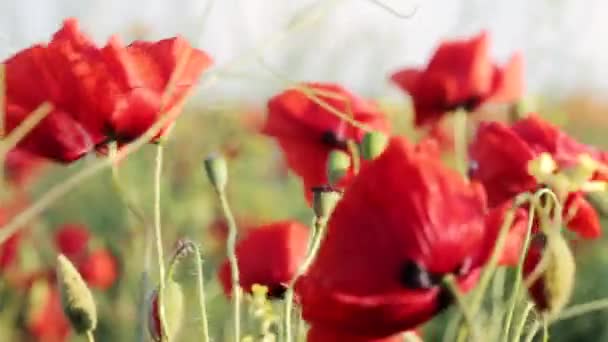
{"x":174,"y":304}
{"x":217,"y":171}
{"x":549,"y":270}
{"x":324,"y":200}
{"x":76,"y":298}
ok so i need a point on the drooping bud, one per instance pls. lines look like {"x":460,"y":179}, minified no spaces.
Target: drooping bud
{"x":373,"y":144}
{"x":338,"y":164}
{"x":324,"y":200}
{"x":217,"y":171}
{"x":549,"y":270}
{"x":174,"y":305}
{"x":76,"y":298}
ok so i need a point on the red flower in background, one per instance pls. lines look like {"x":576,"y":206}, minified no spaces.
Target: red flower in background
{"x":9,"y":249}
{"x":501,"y":154}
{"x":307,"y":132}
{"x":72,"y":239}
{"x":98,"y":95}
{"x":460,"y":74}
{"x":21,"y":167}
{"x":404,"y":222}
{"x":99,"y":269}
{"x":269,"y":255}
{"x":46,"y":321}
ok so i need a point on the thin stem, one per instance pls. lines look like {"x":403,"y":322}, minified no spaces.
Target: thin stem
{"x":533,"y":331}
{"x":317,"y":236}
{"x":522,"y":322}
{"x":581,"y":309}
{"x":201,"y":292}
{"x":545,"y":329}
{"x":90,"y":336}
{"x":460,"y":141}
{"x":159,"y":242}
{"x":391,"y":10}
{"x":449,"y":284}
{"x":234,"y":265}
{"x":519,"y":270}
{"x":353,"y":149}
{"x":25,"y":127}
{"x":2,"y":98}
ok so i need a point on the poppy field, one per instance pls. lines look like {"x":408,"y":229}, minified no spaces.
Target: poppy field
{"x":131,"y":209}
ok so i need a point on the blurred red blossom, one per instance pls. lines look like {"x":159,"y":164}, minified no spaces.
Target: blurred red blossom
{"x":21,"y":167}
{"x":404,"y":222}
{"x":268,"y":255}
{"x":99,"y":269}
{"x":460,"y":74}
{"x":46,"y":321}
{"x":98,"y":94}
{"x":500,"y":161}
{"x":325,"y":334}
{"x":307,"y":132}
{"x":72,"y":239}
{"x":9,"y":249}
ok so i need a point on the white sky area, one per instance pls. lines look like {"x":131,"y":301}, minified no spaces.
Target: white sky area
{"x":353,"y":42}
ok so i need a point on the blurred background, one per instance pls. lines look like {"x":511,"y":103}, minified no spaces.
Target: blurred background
{"x":259,"y":46}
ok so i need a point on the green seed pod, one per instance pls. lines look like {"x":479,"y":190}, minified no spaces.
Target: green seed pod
{"x":76,"y":298}
{"x":373,"y":145}
{"x":217,"y":172}
{"x":174,"y":311}
{"x":550,"y":271}
{"x":324,"y":200}
{"x":338,"y":164}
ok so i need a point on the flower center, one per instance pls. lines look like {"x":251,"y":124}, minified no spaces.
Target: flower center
{"x":276,"y":291}
{"x":330,"y":139}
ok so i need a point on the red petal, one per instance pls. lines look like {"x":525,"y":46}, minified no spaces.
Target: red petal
{"x":99,"y":269}
{"x":72,"y":239}
{"x":500,"y":162}
{"x":516,"y":237}
{"x":269,"y":255}
{"x":585,"y":220}
{"x":318,"y":333}
{"x":508,"y":82}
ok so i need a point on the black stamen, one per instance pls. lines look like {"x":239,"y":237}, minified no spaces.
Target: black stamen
{"x":276,"y":291}
{"x":414,"y":276}
{"x":330,"y":139}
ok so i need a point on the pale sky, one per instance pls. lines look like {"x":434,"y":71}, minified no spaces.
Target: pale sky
{"x":565,"y":42}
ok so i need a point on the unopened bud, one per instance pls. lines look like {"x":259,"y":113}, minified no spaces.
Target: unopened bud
{"x":217,"y":172}
{"x":373,"y":144}
{"x":549,"y":269}
{"x":338,"y":164}
{"x":76,"y":298}
{"x":173,"y":302}
{"x":324,"y":200}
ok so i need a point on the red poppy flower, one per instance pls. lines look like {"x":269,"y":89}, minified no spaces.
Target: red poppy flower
{"x":99,"y":269}
{"x":46,"y":322}
{"x":500,"y":157}
{"x":460,"y":74}
{"x":72,"y":239}
{"x":307,"y":132}
{"x":404,"y":222}
{"x":9,"y":249}
{"x":325,"y":334}
{"x":21,"y":167}
{"x":269,"y":255}
{"x":97,"y":94}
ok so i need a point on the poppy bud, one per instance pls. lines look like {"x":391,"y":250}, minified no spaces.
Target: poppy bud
{"x":76,"y":298}
{"x":217,"y":171}
{"x":373,"y":144}
{"x":324,"y":200}
{"x":550,"y":286}
{"x":174,"y":303}
{"x":338,"y":164}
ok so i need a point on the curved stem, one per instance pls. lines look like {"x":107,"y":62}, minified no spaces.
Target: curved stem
{"x":90,"y":336}
{"x":317,"y":236}
{"x":533,"y":331}
{"x":545,"y":329}
{"x":159,"y":242}
{"x":460,"y":141}
{"x":234,"y":265}
{"x":519,"y":270}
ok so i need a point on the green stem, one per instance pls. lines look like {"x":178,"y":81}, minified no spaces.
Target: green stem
{"x":159,"y":242}
{"x":90,"y":336}
{"x":522,"y":322}
{"x":533,"y":331}
{"x":581,"y":309}
{"x":449,"y":283}
{"x":545,"y":329}
{"x":234,"y":265}
{"x":519,"y":270}
{"x":317,"y":236}
{"x":201,"y":293}
{"x":460,"y":141}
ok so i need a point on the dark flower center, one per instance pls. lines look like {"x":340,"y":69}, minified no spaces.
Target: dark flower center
{"x":330,"y":139}
{"x":414,"y":276}
{"x":276,"y":291}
